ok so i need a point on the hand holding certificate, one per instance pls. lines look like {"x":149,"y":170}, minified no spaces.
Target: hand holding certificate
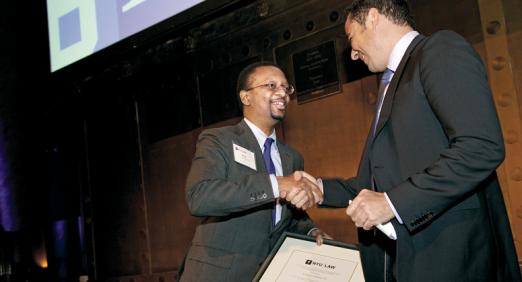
{"x":386,"y":228}
{"x":370,"y":209}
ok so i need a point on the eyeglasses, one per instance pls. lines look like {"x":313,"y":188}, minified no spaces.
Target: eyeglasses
{"x":289,"y":89}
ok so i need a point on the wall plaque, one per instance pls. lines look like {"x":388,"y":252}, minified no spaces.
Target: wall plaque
{"x":315,"y":71}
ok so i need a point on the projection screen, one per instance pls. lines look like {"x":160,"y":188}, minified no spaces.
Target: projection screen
{"x":79,"y":28}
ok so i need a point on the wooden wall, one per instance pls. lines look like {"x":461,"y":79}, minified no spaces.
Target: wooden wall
{"x":331,"y":133}
{"x":501,"y":29}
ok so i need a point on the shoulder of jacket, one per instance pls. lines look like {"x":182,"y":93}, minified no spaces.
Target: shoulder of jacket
{"x":219,"y":133}
{"x":445,"y":37}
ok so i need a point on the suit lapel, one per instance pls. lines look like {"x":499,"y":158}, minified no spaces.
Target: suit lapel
{"x":246,"y":139}
{"x":394,"y":83}
{"x":286,"y":159}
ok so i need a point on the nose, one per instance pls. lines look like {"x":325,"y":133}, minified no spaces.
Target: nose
{"x":355,"y":55}
{"x":280,"y":91}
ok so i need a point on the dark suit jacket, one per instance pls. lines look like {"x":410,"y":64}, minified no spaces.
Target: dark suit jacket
{"x":235,"y":203}
{"x":437,"y":146}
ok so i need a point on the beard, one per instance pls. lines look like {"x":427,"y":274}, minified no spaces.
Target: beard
{"x":278,"y":118}
{"x":276,"y":113}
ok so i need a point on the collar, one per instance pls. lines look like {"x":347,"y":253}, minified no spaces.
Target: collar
{"x":260,"y":135}
{"x":400,"y":48}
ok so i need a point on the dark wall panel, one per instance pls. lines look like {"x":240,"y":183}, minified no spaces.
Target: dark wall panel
{"x":117,"y":200}
{"x":218,"y":93}
{"x":168,"y":99}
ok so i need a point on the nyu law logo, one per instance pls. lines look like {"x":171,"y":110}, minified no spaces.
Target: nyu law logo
{"x":319,"y":264}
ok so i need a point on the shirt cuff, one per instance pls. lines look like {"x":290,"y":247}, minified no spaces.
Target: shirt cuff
{"x":275,"y":185}
{"x":320,"y":184}
{"x":393,"y":209}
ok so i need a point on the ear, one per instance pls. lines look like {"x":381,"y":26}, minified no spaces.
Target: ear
{"x":372,"y":18}
{"x":244,"y":96}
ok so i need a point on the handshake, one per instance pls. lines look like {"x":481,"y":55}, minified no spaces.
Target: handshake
{"x":301,"y":189}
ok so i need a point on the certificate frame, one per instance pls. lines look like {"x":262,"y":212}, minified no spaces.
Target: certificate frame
{"x":297,"y":257}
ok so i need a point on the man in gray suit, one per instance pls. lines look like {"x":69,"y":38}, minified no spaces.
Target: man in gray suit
{"x":247,"y":189}
{"x":429,"y":163}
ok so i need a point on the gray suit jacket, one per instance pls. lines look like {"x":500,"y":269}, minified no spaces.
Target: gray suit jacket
{"x":235,"y":203}
{"x":437,"y":146}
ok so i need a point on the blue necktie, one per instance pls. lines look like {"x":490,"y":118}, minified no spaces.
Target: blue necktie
{"x":385,"y":80}
{"x":270,"y":168}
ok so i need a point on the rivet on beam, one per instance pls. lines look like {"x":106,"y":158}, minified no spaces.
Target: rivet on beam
{"x":511,"y":137}
{"x":505,"y":99}
{"x":493,"y":27}
{"x":499,"y":63}
{"x":516,"y":174}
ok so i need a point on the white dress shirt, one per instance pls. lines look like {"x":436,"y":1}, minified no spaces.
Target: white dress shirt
{"x":276,"y":158}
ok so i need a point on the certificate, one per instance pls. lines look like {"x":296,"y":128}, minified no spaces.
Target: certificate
{"x":297,"y":258}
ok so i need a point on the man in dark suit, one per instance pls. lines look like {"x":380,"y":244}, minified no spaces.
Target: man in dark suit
{"x":247,"y":189}
{"x":429,"y":162}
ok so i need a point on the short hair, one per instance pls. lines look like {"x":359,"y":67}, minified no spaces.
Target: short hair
{"x":243,"y":80}
{"x":395,"y":10}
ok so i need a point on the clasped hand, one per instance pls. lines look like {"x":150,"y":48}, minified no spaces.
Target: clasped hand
{"x":368,"y":209}
{"x":300,"y":189}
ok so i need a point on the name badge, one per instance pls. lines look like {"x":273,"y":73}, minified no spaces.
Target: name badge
{"x":244,"y":156}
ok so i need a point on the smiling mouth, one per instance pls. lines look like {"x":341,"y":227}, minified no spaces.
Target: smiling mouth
{"x":279,"y":104}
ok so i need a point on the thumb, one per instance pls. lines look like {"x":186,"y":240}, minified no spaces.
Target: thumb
{"x":298,"y":175}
